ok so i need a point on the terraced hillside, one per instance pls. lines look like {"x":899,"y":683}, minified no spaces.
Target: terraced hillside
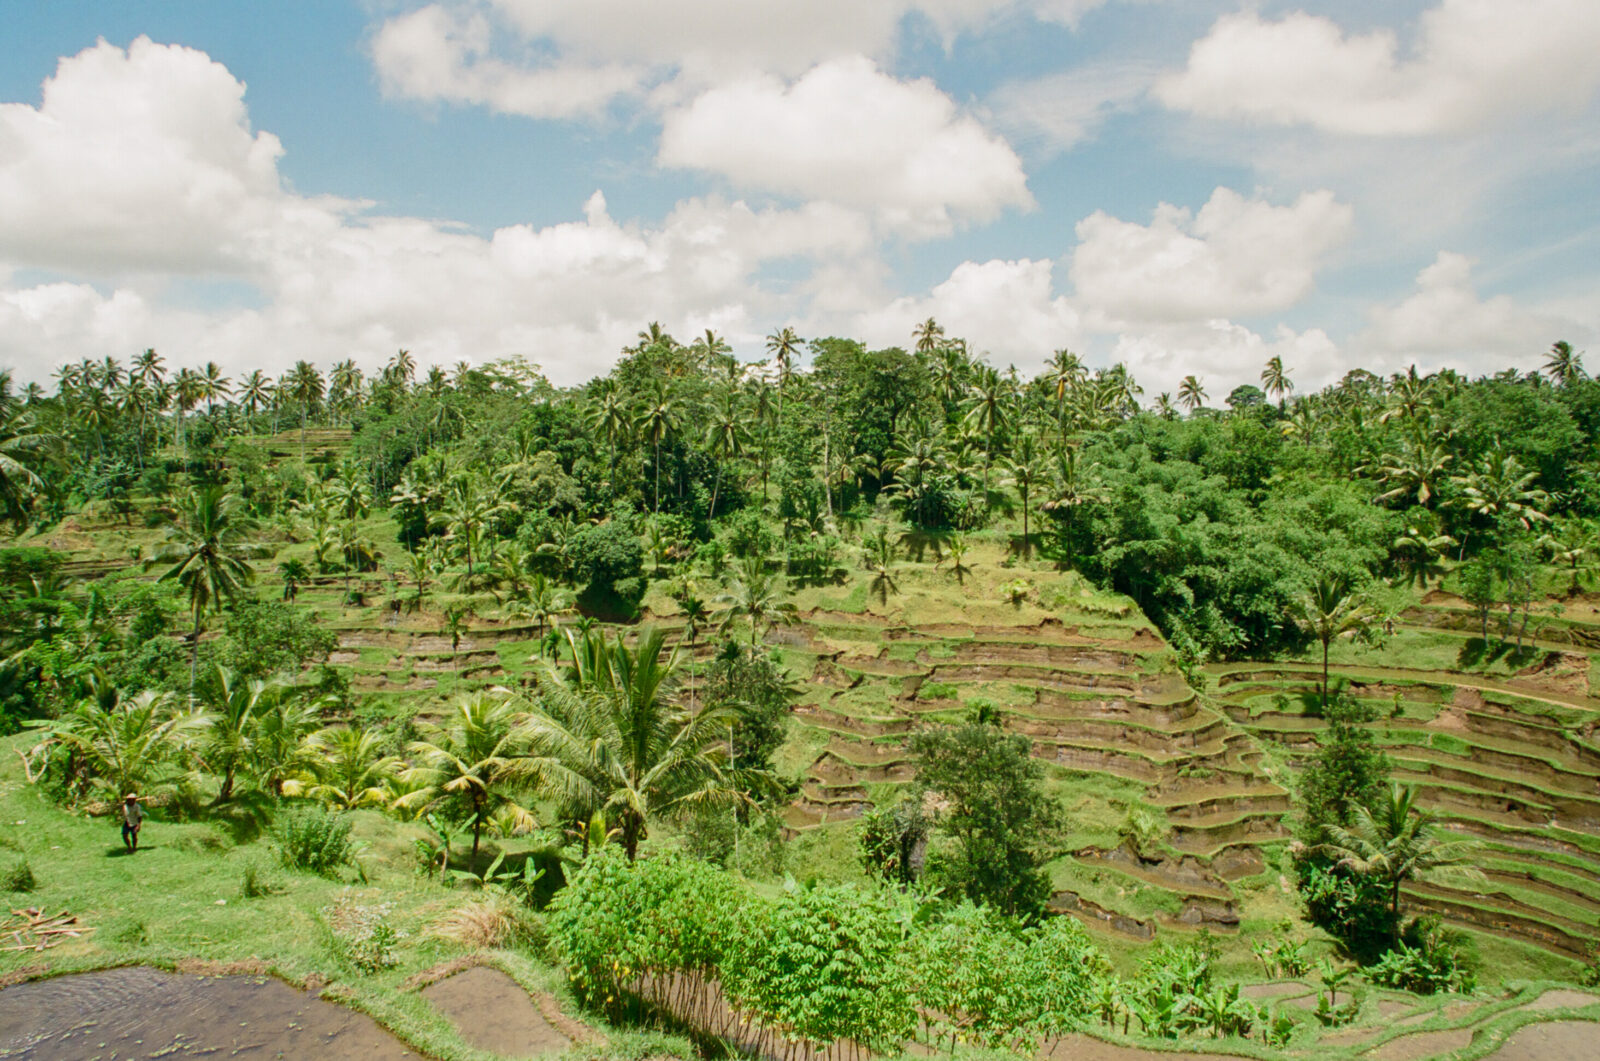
{"x":1502,"y":748}
{"x":1084,"y":676}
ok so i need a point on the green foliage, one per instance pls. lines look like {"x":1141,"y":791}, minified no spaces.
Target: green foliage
{"x":1351,"y":908}
{"x":18,"y":877}
{"x":824,"y":964}
{"x":1428,"y":959}
{"x":1348,"y":771}
{"x":609,"y":560}
{"x":313,"y":839}
{"x":892,"y":841}
{"x":754,"y":683}
{"x":998,"y":822}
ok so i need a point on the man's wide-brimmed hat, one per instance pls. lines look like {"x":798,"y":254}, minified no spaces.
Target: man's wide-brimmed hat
{"x":130,"y":796}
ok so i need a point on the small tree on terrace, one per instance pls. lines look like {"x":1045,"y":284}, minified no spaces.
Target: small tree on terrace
{"x":207,"y":555}
{"x":608,"y":739}
{"x":474,"y":764}
{"x":1328,"y":610}
{"x":997,"y":815}
{"x":1394,"y":841}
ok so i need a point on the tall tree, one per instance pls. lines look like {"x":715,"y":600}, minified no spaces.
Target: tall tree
{"x":1394,"y":841}
{"x":205,"y":546}
{"x":610,"y":740}
{"x":1327,"y":611}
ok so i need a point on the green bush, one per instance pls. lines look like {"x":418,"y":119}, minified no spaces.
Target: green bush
{"x":310,"y":838}
{"x":1428,"y":959}
{"x":18,"y":877}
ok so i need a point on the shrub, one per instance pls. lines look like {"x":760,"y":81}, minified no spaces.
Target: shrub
{"x":1428,"y":959}
{"x":18,"y":877}
{"x":362,"y":935}
{"x":255,"y":881}
{"x":310,"y":838}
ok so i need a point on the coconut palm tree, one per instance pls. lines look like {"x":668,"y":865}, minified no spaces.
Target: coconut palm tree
{"x":1501,"y":486}
{"x":465,"y":514}
{"x":124,"y":744}
{"x":1275,"y":379}
{"x":609,"y":740}
{"x":1327,"y":611}
{"x":473,"y":763}
{"x":280,"y":750}
{"x":1563,"y":366}
{"x":304,"y":385}
{"x":23,"y":450}
{"x":1025,"y":471}
{"x":205,"y":547}
{"x":987,"y":412}
{"x":928,"y":336}
{"x":349,"y":768}
{"x":725,"y":436}
{"x":1191,"y":395}
{"x":657,"y":419}
{"x":608,"y":414}
{"x":758,"y":596}
{"x":227,"y":730}
{"x":1394,"y":841}
{"x":784,"y":346}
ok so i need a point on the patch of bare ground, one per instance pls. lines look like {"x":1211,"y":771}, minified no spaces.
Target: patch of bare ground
{"x":1088,"y":1048}
{"x":493,"y":1013}
{"x":1559,"y":1040}
{"x":1563,"y":999}
{"x":1276,"y":989}
{"x":1420,"y":1045}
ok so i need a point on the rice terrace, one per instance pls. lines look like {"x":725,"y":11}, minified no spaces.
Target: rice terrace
{"x":437,"y":624}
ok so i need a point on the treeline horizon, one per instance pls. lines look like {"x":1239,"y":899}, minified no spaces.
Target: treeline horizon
{"x":1213,"y":518}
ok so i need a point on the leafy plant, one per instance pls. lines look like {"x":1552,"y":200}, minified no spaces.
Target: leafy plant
{"x":18,"y":877}
{"x":313,"y":839}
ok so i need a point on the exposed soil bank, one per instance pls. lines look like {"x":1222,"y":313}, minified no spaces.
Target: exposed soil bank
{"x":493,"y":1012}
{"x":142,"y":1012}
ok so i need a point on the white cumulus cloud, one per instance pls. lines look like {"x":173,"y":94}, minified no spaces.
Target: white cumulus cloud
{"x":1474,"y":62}
{"x":1236,"y":257}
{"x":848,"y":133}
{"x":1444,"y":322}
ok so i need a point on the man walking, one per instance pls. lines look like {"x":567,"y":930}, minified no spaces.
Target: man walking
{"x":132,"y":818}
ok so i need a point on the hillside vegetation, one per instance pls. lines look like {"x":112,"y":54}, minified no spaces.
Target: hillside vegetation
{"x":1296,"y":693}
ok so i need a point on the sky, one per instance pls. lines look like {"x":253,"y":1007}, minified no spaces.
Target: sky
{"x":1184,"y":186}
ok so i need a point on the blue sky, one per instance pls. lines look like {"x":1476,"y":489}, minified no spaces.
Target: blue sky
{"x":1187,"y":186}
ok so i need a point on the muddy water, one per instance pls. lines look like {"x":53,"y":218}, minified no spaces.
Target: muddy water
{"x":144,"y":1013}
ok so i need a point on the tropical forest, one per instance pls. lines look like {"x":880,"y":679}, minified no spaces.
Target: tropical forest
{"x":845,"y":703}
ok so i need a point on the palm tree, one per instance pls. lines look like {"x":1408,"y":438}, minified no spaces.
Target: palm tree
{"x":784,"y":346}
{"x":1394,"y":841}
{"x":280,"y":750}
{"x":657,"y":419}
{"x":124,"y":745}
{"x":475,"y":762}
{"x":1075,"y":486}
{"x":1191,"y":395}
{"x":349,"y":768}
{"x":402,"y":368}
{"x":757,"y":595}
{"x":255,"y":392}
{"x":1328,"y":610}
{"x":304,"y":386}
{"x":1420,"y":552}
{"x":986,"y":412}
{"x":610,"y":741}
{"x":227,"y":739}
{"x":1025,"y":470}
{"x":1276,"y":379}
{"x":213,"y":385}
{"x":609,"y":415}
{"x":726,"y":437}
{"x":1415,"y":472}
{"x":1563,"y":366}
{"x":22,"y":449}
{"x":1500,"y":486}
{"x":1065,"y":371}
{"x":465,"y":513}
{"x":207,"y":555}
{"x":928,"y":336}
